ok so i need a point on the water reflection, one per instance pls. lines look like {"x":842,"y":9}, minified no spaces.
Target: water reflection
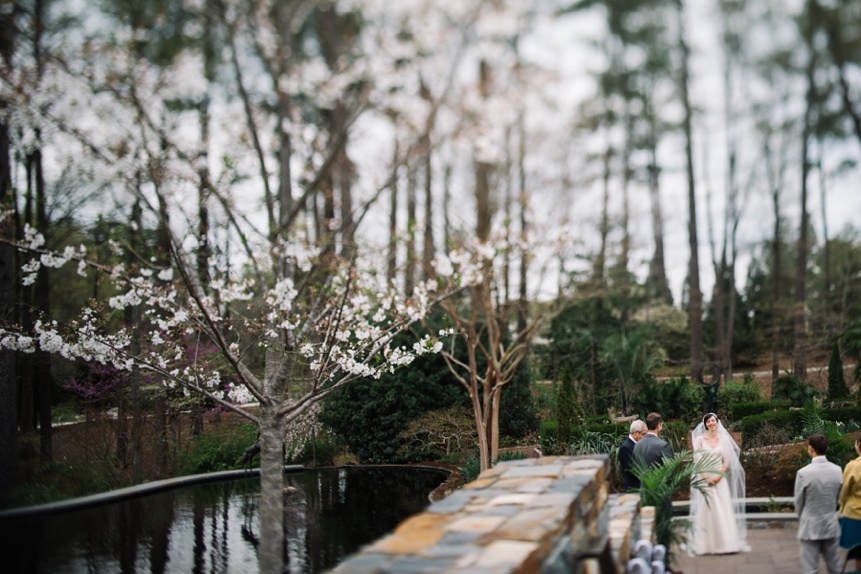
{"x":213,"y":528}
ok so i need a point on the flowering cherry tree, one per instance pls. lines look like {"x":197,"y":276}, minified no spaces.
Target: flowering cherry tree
{"x":316,"y":337}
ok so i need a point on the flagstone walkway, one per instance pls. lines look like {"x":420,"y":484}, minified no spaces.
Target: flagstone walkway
{"x":774,"y":548}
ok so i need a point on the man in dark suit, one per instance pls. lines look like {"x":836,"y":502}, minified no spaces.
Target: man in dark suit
{"x":652,"y":449}
{"x":626,"y":454}
{"x":817,"y":490}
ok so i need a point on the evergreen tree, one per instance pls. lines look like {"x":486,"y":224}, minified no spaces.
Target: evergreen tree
{"x":568,"y":411}
{"x":836,"y":383}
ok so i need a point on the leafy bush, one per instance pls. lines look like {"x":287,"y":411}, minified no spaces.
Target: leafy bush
{"x":792,"y":389}
{"x":440,"y":433}
{"x":792,"y":423}
{"x":370,"y":415}
{"x":841,"y":447}
{"x":676,"y":398}
{"x":548,"y":437}
{"x":736,"y":392}
{"x":517,"y":418}
{"x":218,"y":450}
{"x":470,"y":470}
{"x":590,"y":442}
{"x":740,"y":410}
{"x":568,"y":415}
{"x":322,"y":451}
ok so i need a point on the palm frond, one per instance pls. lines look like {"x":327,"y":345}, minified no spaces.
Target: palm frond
{"x":659,"y":483}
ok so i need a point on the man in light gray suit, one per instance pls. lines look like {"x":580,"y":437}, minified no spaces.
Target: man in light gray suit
{"x":817,"y":489}
{"x":652,"y":449}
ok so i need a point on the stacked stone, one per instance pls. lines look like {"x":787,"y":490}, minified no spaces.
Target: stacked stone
{"x":548,"y":515}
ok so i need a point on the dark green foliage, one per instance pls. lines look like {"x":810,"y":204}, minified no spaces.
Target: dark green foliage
{"x":836,"y":382}
{"x":736,"y":392}
{"x":218,"y":450}
{"x":472,"y":468}
{"x":517,"y":418}
{"x":841,"y":448}
{"x":568,"y":414}
{"x":676,"y":398}
{"x":792,"y":421}
{"x":738,"y":411}
{"x":620,"y":430}
{"x":793,"y":390}
{"x":548,"y":437}
{"x":319,"y":452}
{"x":659,"y":483}
{"x":676,"y":434}
{"x":369,"y":415}
{"x":575,"y":352}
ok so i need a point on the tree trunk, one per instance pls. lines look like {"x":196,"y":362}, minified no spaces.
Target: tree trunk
{"x":695,"y":297}
{"x":392,"y":263}
{"x":42,"y":302}
{"x":428,"y":251}
{"x":271,"y":549}
{"x":412,"y":258}
{"x":657,"y":267}
{"x":799,"y":351}
{"x":8,"y":381}
{"x":776,"y":184}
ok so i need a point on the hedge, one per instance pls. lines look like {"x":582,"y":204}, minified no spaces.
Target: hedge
{"x":791,"y":420}
{"x":738,"y":411}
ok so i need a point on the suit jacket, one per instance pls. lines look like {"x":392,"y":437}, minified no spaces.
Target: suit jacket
{"x":817,"y":491}
{"x":625,"y":457}
{"x":651,"y":449}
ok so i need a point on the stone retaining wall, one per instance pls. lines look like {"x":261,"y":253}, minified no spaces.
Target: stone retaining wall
{"x":547,"y":515}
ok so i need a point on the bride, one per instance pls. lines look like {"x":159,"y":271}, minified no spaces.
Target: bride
{"x":718,"y":524}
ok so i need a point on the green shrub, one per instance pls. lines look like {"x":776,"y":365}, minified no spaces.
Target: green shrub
{"x":319,"y":452}
{"x":370,"y":415}
{"x":568,"y":415}
{"x":792,"y":421}
{"x":547,"y":437}
{"x":590,"y":442}
{"x":736,"y":392}
{"x":676,"y":398}
{"x":792,"y":389}
{"x":471,"y":469}
{"x":738,"y":411}
{"x":220,"y":449}
{"x":517,"y":418}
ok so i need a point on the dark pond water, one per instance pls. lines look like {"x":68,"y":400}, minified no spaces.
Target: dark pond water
{"x":213,"y":528}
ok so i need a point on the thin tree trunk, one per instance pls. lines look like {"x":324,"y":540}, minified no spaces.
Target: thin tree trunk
{"x":42,"y":302}
{"x":428,"y":251}
{"x":695,"y":298}
{"x":799,"y":352}
{"x":412,"y":258}
{"x":392,"y":263}
{"x":8,"y":380}
{"x":775,"y":182}
{"x":523,"y":301}
{"x":132,"y":319}
{"x":827,"y":280}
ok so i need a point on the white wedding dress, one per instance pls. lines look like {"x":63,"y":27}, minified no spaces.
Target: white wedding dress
{"x":715,"y":524}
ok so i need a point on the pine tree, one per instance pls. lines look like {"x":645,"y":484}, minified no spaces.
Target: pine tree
{"x":567,"y":416}
{"x":836,"y":383}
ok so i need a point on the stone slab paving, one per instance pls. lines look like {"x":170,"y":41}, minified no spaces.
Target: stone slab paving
{"x":774,"y":548}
